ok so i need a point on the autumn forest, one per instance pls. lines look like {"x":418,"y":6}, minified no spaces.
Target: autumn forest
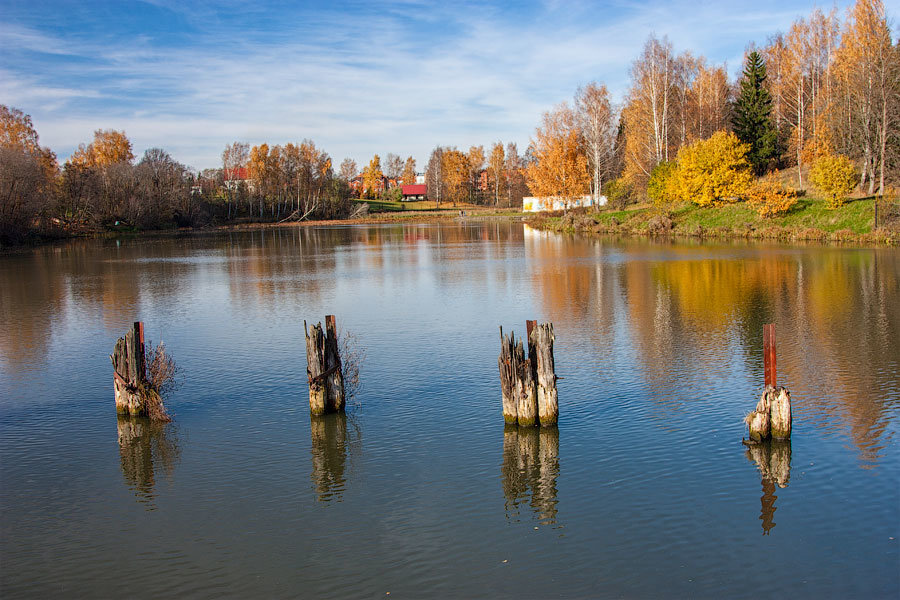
{"x":814,"y":110}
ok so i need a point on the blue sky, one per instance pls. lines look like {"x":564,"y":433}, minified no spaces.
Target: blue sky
{"x":355,"y":77}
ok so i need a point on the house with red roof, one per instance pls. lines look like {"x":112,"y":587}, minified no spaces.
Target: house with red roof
{"x":414,"y":192}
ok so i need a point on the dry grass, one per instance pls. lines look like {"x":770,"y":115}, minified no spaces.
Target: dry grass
{"x":352,"y":356}
{"x":162,"y":377}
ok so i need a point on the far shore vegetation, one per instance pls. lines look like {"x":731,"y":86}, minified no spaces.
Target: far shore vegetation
{"x":804,"y":144}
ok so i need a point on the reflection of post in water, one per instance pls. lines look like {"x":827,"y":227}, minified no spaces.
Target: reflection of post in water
{"x":328,"y":434}
{"x":531,"y":461}
{"x":773,"y":459}
{"x":147,"y":449}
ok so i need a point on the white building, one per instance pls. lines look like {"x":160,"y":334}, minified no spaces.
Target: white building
{"x":547,"y":203}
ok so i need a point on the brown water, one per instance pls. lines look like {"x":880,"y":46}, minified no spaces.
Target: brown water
{"x":644,"y":489}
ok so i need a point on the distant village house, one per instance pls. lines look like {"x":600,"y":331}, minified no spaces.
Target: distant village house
{"x":414,"y":192}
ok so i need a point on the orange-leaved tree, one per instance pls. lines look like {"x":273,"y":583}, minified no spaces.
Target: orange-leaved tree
{"x":373,"y":178}
{"x":409,"y":171}
{"x":770,"y":197}
{"x":560,"y":168}
{"x":455,"y":166}
{"x":108,"y":148}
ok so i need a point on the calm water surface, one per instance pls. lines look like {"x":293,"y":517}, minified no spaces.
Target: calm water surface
{"x":644,"y":489}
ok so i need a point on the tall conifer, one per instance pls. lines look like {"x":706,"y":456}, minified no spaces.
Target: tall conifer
{"x":752,"y":115}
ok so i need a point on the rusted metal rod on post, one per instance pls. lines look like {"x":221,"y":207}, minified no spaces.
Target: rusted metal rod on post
{"x":772,"y":417}
{"x":769,"y":355}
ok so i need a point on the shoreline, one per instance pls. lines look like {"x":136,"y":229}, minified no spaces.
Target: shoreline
{"x":575,"y":221}
{"x":708,"y":224}
{"x":470,"y":214}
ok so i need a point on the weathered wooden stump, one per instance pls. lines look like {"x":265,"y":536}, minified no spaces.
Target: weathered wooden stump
{"x":323,"y":368}
{"x":517,"y":383}
{"x":508,"y":375}
{"x":772,"y":417}
{"x":540,"y":343}
{"x":334,"y":383}
{"x":129,"y":372}
{"x":528,"y":384}
{"x":524,"y":390}
{"x":758,"y":420}
{"x":780,"y":416}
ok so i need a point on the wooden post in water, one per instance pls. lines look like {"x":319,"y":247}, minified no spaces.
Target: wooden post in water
{"x":540,"y":340}
{"x":129,"y":372}
{"x":524,"y":389}
{"x":334,"y":384}
{"x":323,"y":368}
{"x":527,"y":378}
{"x":508,"y":374}
{"x":780,"y":419}
{"x":772,"y":417}
{"x":315,"y":368}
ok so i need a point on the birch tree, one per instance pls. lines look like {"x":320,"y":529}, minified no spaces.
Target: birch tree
{"x":597,"y":123}
{"x":495,"y":169}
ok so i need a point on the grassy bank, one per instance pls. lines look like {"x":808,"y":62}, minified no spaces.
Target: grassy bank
{"x":810,"y":219}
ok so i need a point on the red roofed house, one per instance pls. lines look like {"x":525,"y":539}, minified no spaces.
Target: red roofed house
{"x":234,"y":177}
{"x":414,"y":192}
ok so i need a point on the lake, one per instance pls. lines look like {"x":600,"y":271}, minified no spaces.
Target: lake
{"x":643,"y":490}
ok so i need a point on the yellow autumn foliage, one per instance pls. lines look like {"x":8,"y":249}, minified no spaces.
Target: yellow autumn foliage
{"x":835,"y":176}
{"x":109,"y":147}
{"x":714,"y":171}
{"x":560,"y":168}
{"x":770,"y":197}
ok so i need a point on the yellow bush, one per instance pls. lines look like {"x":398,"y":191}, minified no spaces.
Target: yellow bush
{"x":770,"y":198}
{"x":714,"y":171}
{"x":835,"y":176}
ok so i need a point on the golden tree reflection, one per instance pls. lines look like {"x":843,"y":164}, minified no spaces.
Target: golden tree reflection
{"x":691,"y":308}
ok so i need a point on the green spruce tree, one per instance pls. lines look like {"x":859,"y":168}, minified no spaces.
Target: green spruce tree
{"x":752,"y":115}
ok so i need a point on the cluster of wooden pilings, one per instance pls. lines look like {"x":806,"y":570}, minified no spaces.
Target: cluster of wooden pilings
{"x":772,"y":417}
{"x":323,"y":368}
{"x":130,"y":372}
{"x":528,"y":383}
{"x":527,"y":379}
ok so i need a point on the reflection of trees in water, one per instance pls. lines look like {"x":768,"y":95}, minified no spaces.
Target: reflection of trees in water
{"x":690,"y":309}
{"x":773,"y":459}
{"x":32,"y":294}
{"x":332,"y":444}
{"x":531,"y":462}
{"x":147,"y":450}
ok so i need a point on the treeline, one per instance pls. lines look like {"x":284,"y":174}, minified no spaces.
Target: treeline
{"x":451,"y":175}
{"x":294,"y":181}
{"x":102,"y":185}
{"x":497,"y":179}
{"x":825,"y":92}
